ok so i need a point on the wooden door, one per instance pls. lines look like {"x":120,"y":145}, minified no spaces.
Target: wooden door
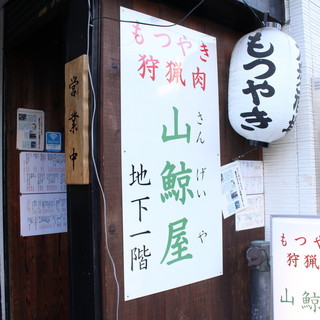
{"x":37,"y":266}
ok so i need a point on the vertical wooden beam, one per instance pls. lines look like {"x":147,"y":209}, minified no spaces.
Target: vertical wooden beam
{"x":83,"y":211}
{"x":2,"y":269}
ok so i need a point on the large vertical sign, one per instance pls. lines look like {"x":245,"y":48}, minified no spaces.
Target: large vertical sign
{"x":295,"y":253}
{"x":77,"y":121}
{"x":170,"y":156}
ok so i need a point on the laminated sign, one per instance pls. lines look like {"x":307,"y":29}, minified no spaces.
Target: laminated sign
{"x":30,"y":129}
{"x":172,"y":221}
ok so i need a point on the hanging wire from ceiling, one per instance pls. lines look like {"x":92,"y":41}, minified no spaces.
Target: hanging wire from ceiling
{"x":152,"y":24}
{"x":262,"y":23}
{"x":102,"y":192}
{"x":94,"y":110}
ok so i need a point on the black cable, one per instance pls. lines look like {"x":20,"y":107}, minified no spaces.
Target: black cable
{"x":151,"y":24}
{"x":261,"y":22}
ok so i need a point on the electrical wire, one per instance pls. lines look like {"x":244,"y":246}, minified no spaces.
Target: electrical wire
{"x":151,"y":24}
{"x":94,"y":103}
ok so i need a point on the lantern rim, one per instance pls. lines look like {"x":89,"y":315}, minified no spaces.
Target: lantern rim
{"x":270,"y":24}
{"x":256,"y":143}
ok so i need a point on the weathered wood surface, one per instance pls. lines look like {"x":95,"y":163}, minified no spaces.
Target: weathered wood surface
{"x":38,"y":275}
{"x":226,"y":297}
{"x":77,"y":120}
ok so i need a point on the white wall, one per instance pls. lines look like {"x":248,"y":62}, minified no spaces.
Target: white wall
{"x":292,"y":168}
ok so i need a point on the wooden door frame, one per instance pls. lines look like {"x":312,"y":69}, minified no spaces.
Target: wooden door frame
{"x":2,"y":265}
{"x":83,"y":200}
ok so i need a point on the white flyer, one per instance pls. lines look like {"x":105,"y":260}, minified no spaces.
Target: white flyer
{"x":43,"y":213}
{"x":30,"y":129}
{"x":233,"y":193}
{"x":42,"y":172}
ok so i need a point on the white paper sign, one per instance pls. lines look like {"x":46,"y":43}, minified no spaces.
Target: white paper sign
{"x":43,"y":213}
{"x":42,"y":172}
{"x":30,"y":129}
{"x":252,"y":177}
{"x":295,"y":252}
{"x":253,"y":215}
{"x":172,"y":228}
{"x":233,"y":193}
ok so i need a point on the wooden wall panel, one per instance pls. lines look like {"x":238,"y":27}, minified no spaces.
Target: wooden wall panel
{"x":221,"y":298}
{"x":37,"y":266}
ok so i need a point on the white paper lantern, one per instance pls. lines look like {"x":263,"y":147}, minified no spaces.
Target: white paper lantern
{"x":264,"y":85}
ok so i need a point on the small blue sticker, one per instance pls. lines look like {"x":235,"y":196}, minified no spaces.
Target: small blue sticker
{"x":53,"y":141}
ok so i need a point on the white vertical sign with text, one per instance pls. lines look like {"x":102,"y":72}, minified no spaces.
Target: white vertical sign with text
{"x":295,"y":247}
{"x":172,"y":225}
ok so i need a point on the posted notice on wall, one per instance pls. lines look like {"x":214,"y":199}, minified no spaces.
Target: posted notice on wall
{"x":233,"y":194}
{"x":43,"y":213}
{"x":42,"y":172}
{"x":252,"y":216}
{"x":30,"y":129}
{"x":252,"y":176}
{"x":43,"y":199}
{"x":295,"y":252}
{"x":172,"y":225}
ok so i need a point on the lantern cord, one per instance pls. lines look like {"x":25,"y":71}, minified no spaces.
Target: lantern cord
{"x":151,"y":24}
{"x":103,"y":195}
{"x":255,"y":14}
{"x":244,"y":154}
{"x":265,"y":18}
